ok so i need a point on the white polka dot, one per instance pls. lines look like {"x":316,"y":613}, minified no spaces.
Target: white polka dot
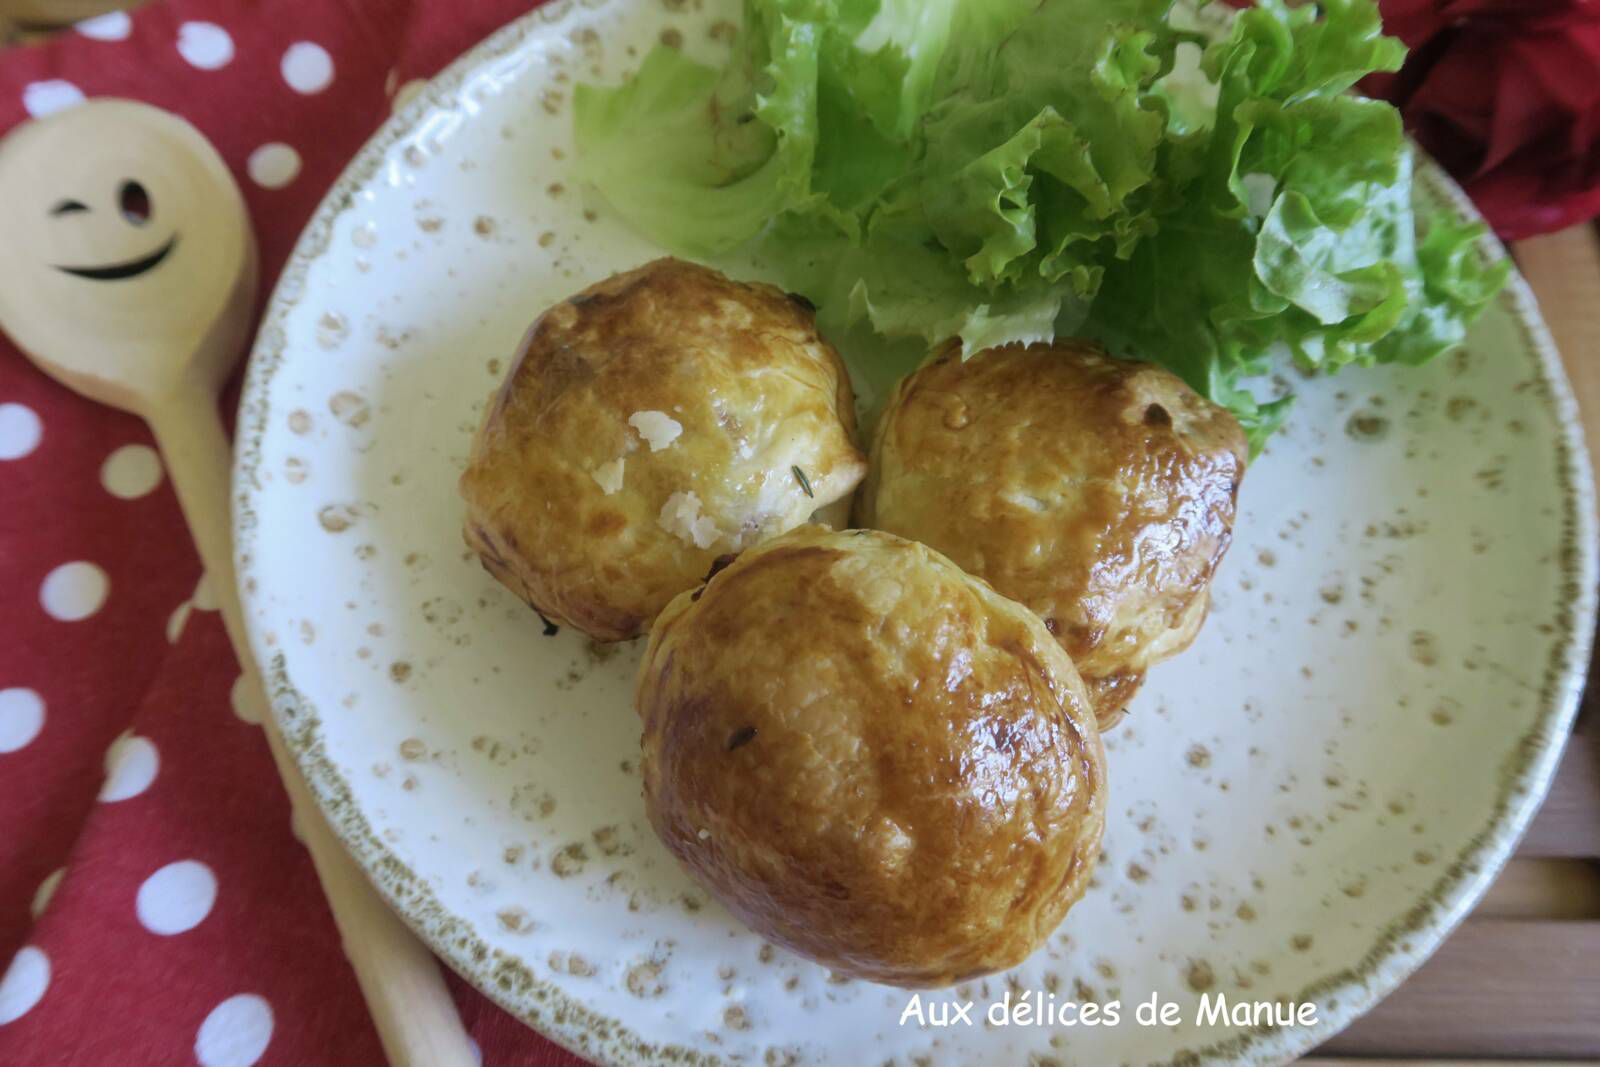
{"x":205,"y":45}
{"x":131,"y":471}
{"x":131,"y":765}
{"x":112,"y":26}
{"x":46,"y":890}
{"x":236,"y":1033}
{"x":74,"y":591}
{"x":274,"y":165}
{"x":41,"y":98}
{"x":409,"y":92}
{"x":24,"y":984}
{"x":307,"y":67}
{"x":246,"y":701}
{"x":21,"y":718}
{"x":20,"y":430}
{"x":176,"y":898}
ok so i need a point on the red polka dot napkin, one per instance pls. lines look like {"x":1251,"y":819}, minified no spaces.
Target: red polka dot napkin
{"x":155,"y":907}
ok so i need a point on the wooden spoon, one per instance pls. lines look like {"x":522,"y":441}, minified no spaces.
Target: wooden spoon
{"x":130,"y":277}
{"x":56,"y":12}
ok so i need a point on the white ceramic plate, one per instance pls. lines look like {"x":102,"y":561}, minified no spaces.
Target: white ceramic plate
{"x":1302,"y":805}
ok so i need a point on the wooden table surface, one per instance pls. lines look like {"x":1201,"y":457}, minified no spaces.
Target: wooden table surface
{"x":1519,"y":982}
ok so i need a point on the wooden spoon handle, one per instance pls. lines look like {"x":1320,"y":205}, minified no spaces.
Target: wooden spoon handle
{"x":400,"y":979}
{"x":56,"y":12}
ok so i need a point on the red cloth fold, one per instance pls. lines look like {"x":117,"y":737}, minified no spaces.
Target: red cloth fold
{"x":1506,"y":95}
{"x":154,"y":906}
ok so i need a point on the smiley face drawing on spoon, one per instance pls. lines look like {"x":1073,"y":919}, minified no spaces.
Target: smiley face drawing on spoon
{"x":127,"y":252}
{"x":134,"y":205}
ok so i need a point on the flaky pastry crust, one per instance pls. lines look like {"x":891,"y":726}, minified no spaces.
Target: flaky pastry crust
{"x":650,"y":424}
{"x":872,"y":758}
{"x":1097,"y":491}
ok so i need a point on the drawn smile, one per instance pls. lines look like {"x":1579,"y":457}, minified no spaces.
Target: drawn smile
{"x":131,"y":269}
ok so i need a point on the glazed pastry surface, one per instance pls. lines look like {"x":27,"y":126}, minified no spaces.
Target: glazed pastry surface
{"x":650,"y":424}
{"x":1099,"y":492}
{"x":872,"y":758}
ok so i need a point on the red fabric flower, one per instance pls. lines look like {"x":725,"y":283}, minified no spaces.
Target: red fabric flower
{"x":1506,"y":95}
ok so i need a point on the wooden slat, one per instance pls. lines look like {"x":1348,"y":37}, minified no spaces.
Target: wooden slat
{"x":1544,"y":889}
{"x":1569,"y":823}
{"x":1588,"y":723}
{"x":1499,"y":987}
{"x":1564,"y":271}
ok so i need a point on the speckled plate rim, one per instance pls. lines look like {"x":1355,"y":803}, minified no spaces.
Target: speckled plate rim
{"x":1344,"y":995}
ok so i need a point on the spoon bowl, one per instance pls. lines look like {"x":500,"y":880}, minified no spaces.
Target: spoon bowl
{"x":133,"y":274}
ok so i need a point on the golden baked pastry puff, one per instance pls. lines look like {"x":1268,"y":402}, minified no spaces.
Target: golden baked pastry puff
{"x":872,"y":758}
{"x":650,"y":424}
{"x":1097,"y":491}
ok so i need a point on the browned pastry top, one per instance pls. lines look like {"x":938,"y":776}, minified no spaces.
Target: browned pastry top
{"x":872,"y":758}
{"x":1097,"y":491}
{"x":655,"y":421}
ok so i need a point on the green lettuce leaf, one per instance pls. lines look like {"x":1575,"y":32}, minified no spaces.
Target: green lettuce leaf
{"x":1013,"y":170}
{"x":700,"y":159}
